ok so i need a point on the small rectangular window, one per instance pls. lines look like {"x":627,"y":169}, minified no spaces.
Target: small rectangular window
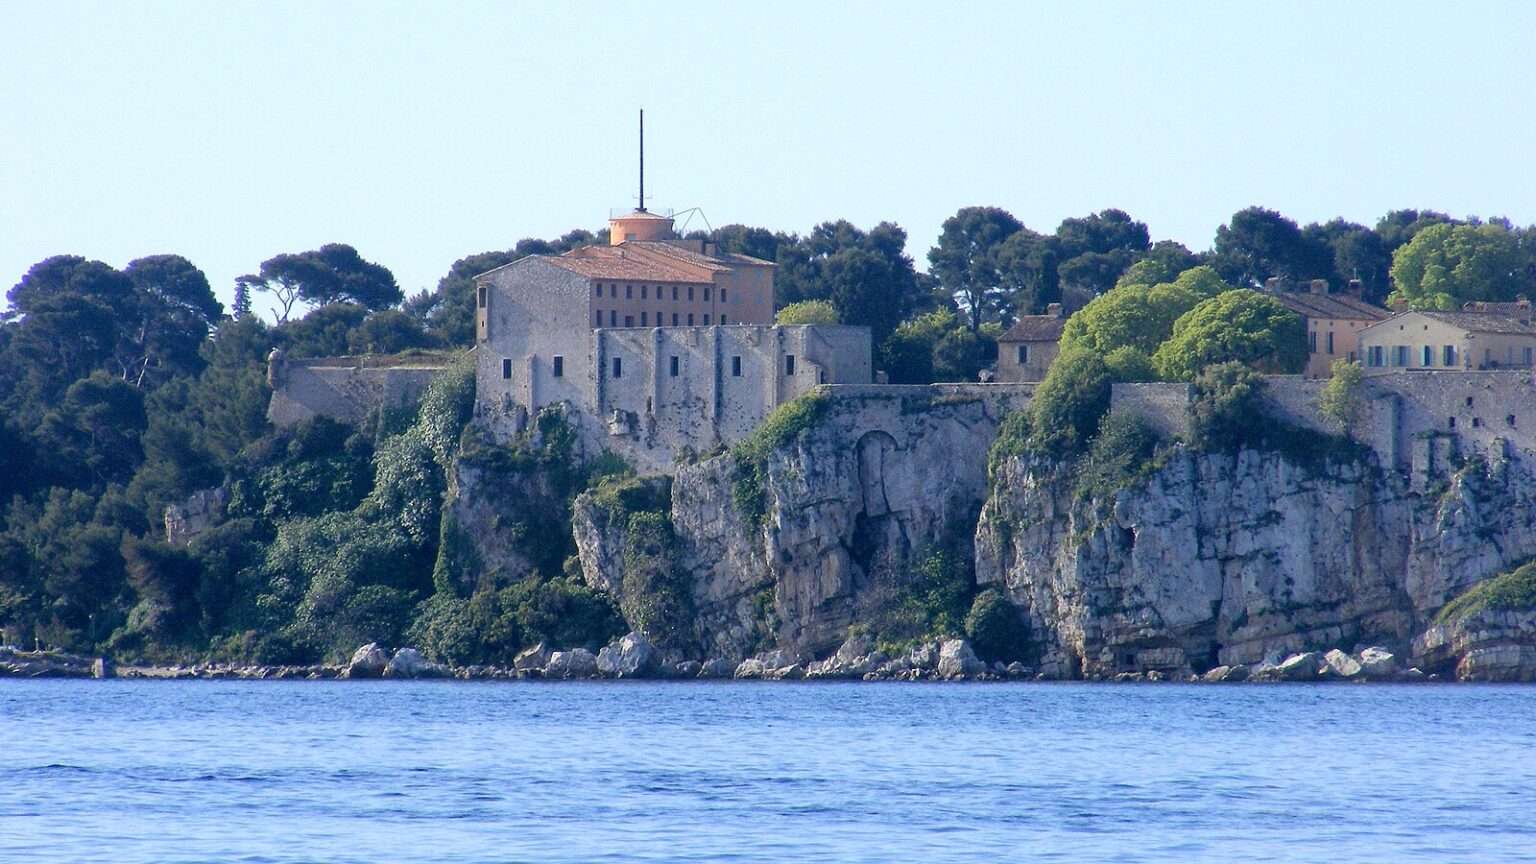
{"x":618,"y":367}
{"x":481,"y":292}
{"x":672,"y":365}
{"x":1023,"y":355}
{"x":506,"y":368}
{"x":558,"y":362}
{"x":706,"y":295}
{"x":642,"y":292}
{"x":597,"y":318}
{"x":674,"y":292}
{"x":789,"y":364}
{"x":629,"y":292}
{"x":690,"y":293}
{"x":643,"y":315}
{"x":1449,"y":355}
{"x":674,"y":319}
{"x":722,"y":295}
{"x":735,"y":367}
{"x":1312,"y":342}
{"x":1426,"y":356}
{"x":597,"y":289}
{"x":706,"y":319}
{"x":690,"y":319}
{"x":629,"y":320}
{"x":1527,"y":356}
{"x":613,"y":318}
{"x":722,"y":320}
{"x":1330,"y":341}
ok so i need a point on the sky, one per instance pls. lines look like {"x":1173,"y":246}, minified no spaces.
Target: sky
{"x":424,"y":132}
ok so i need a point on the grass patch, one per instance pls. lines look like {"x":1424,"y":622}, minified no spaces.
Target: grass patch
{"x":749,"y":481}
{"x":1515,"y":590}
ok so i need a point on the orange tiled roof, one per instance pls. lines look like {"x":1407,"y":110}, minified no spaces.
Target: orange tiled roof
{"x":630,"y":261}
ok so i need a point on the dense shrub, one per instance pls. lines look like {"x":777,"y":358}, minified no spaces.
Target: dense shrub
{"x":1238,"y":326}
{"x":1227,"y":409}
{"x":1123,"y":453}
{"x":1515,"y":590}
{"x":996,"y":629}
{"x":1069,"y":402}
{"x":807,"y":312}
{"x":1339,"y":402}
{"x":749,"y":490}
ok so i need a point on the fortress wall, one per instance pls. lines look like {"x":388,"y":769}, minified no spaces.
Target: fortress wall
{"x":305,"y":389}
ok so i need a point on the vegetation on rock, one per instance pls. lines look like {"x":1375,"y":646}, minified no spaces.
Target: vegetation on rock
{"x":1512,"y":591}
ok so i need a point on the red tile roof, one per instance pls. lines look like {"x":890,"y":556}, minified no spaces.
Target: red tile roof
{"x":1035,"y":328}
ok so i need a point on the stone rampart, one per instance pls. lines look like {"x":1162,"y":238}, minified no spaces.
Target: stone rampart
{"x":347,"y":388}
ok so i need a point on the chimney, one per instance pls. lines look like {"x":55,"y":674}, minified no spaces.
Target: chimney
{"x":1399,"y":306}
{"x":1319,"y":286}
{"x":1272,"y":284}
{"x":710,"y":248}
{"x":1355,"y":289}
{"x":1053,"y":310}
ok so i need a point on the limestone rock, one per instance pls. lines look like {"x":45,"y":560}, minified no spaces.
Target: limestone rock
{"x":630,"y":657}
{"x":1379,"y":663}
{"x":1342,"y":665}
{"x":1298,"y":667}
{"x":577,"y":663}
{"x":717,"y":668}
{"x":534,"y":657}
{"x":408,"y":663}
{"x":958,"y":660}
{"x":369,"y":661}
{"x":751,"y":669}
{"x":792,"y":672}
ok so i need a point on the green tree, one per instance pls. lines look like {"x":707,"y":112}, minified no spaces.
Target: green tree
{"x":1242,"y":325}
{"x":807,"y":312}
{"x":334,"y":273}
{"x":1446,"y":265}
{"x":1139,"y":316}
{"x":1258,"y":243}
{"x":1339,"y":402}
{"x":966,"y":260}
{"x":1069,"y":403}
{"x":1227,"y":410}
{"x":388,"y":332}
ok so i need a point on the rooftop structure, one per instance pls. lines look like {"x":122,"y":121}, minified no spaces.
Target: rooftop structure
{"x":1448,"y":340}
{"x":1333,"y":320}
{"x":1025,"y":352}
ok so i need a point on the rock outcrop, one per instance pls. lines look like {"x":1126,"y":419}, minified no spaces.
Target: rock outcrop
{"x":1226,"y":559}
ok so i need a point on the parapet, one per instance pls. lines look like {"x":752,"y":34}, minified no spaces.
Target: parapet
{"x":348,"y":388}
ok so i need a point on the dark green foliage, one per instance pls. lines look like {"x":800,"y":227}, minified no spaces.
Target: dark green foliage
{"x":491,"y":626}
{"x":1069,"y":403}
{"x":1513,"y":591}
{"x":930,"y":600}
{"x":780,"y":428}
{"x":996,"y":629}
{"x":656,"y":599}
{"x":1123,"y":454}
{"x":1228,"y":406}
{"x":334,"y":273}
{"x":1243,"y":326}
{"x":388,"y":332}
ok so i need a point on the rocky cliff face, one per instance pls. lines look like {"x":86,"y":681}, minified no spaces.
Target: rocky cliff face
{"x":1234,"y":558}
{"x":786,"y":549}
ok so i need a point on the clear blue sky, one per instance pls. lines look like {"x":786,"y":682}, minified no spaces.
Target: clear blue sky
{"x":420,"y":132}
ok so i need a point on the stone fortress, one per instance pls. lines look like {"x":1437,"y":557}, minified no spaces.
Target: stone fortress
{"x":658,"y":346}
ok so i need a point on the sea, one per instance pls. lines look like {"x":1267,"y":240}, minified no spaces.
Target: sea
{"x":350,"y":771}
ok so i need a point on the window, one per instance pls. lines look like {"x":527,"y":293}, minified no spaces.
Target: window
{"x":506,"y":368}
{"x":789,"y":364}
{"x":558,"y":363}
{"x":672,"y":366}
{"x":674,"y":319}
{"x":722,"y":320}
{"x":1527,"y":356}
{"x":1452,"y":422}
{"x":706,"y":319}
{"x":674,"y":292}
{"x":1399,"y":355}
{"x":690,"y":319}
{"x":642,"y":318}
{"x":735,"y":367}
{"x":613,"y":318}
{"x":1312,"y":342}
{"x":1023,"y":355}
{"x":629,"y":320}
{"x":1373,"y":355}
{"x":597,"y":289}
{"x":629,"y":292}
{"x":706,"y":295}
{"x":722,"y":295}
{"x":597,"y":317}
{"x":690,"y":293}
{"x":1469,"y":401}
{"x":481,"y":294}
{"x":1477,"y":422}
{"x":1510,"y":419}
{"x":1426,"y":356}
{"x":642,"y":292}
{"x":1330,"y":341}
{"x":618,"y":367}
{"x":1448,"y":356}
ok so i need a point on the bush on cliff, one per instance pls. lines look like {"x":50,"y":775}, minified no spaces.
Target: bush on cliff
{"x":1123,"y":454}
{"x":807,"y":312}
{"x":786,"y":423}
{"x":1069,"y":402}
{"x":1339,"y":402}
{"x":930,"y":600}
{"x":996,"y":629}
{"x":1512,"y":591}
{"x":1242,"y":326}
{"x":1227,"y":410}
{"x":491,"y":626}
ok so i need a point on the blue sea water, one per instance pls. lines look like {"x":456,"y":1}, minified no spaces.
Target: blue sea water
{"x":194,"y":771}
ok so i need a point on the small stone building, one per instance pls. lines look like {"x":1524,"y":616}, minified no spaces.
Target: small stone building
{"x":1448,"y":341}
{"x":1025,"y":352}
{"x":1333,"y":320}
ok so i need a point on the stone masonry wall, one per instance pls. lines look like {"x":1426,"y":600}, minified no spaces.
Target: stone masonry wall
{"x":345,"y":388}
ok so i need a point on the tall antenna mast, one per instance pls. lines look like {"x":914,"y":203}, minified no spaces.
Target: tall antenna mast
{"x":642,"y":160}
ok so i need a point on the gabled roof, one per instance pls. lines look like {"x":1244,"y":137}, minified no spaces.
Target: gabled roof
{"x":1520,"y":309}
{"x":1471,"y":322}
{"x":1035,"y":328}
{"x":1343,"y":306}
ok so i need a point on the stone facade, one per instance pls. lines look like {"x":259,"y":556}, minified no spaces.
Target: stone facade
{"x":646,"y":393}
{"x":346,"y":388}
{"x":1025,"y":352}
{"x":1333,"y":321}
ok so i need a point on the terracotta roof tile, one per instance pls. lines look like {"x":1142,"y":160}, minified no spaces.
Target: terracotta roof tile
{"x":1483,"y":322}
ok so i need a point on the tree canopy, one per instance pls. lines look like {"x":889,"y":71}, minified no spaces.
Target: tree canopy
{"x":334,"y":273}
{"x":1241,"y":325}
{"x":1445,"y":265}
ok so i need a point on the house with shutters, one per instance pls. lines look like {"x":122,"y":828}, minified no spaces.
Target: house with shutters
{"x":1433,"y":340}
{"x":1026,"y":350}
